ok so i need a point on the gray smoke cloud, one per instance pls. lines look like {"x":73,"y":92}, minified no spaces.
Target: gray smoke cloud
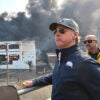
{"x":44,"y":12}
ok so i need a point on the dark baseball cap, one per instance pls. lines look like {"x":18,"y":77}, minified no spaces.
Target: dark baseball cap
{"x":70,"y":23}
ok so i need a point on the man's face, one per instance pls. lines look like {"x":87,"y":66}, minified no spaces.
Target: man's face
{"x":90,"y":42}
{"x":64,"y":37}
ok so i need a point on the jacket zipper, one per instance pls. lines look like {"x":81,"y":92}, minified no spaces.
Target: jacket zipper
{"x":59,"y":59}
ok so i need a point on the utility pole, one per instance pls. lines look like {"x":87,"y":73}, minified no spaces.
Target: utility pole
{"x":98,"y":33}
{"x":56,"y":9}
{"x":7,"y":53}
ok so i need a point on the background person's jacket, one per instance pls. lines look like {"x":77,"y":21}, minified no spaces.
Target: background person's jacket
{"x":75,"y":77}
{"x":97,"y":56}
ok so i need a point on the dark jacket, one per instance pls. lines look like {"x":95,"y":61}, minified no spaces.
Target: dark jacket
{"x":76,"y":76}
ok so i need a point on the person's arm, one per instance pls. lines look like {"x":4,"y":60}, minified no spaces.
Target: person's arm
{"x":89,"y":75}
{"x":41,"y":81}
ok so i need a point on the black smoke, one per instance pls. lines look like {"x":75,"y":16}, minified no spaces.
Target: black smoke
{"x":44,"y":12}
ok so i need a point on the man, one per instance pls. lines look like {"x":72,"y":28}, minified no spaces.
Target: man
{"x":91,"y":43}
{"x":76,"y":76}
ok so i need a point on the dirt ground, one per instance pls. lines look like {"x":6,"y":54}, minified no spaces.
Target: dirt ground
{"x":40,"y":94}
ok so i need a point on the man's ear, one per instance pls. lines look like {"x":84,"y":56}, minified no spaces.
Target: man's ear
{"x":76,"y":34}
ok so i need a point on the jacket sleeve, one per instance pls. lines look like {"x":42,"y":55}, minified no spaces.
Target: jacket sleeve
{"x":89,"y":75}
{"x":43,"y":81}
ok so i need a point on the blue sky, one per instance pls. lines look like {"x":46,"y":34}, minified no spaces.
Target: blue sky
{"x":12,"y":5}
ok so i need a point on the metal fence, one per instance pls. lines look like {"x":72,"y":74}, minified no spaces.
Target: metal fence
{"x":16,"y":76}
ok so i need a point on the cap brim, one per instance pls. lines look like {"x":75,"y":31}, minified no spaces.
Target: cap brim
{"x":53,"y":26}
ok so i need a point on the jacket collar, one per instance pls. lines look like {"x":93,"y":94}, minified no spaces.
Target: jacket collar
{"x":67,"y":51}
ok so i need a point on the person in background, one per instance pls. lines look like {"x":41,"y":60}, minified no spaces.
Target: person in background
{"x":91,"y":43}
{"x":76,"y":76}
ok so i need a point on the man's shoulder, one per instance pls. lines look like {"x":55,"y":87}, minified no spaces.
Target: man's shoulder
{"x":81,"y":55}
